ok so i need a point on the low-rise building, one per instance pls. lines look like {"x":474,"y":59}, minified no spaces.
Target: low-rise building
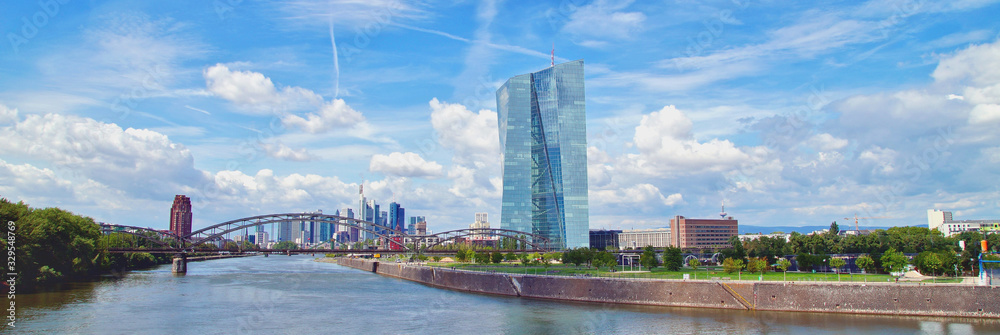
{"x":945,"y":223}
{"x":639,"y":238}
{"x":702,"y":233}
{"x":601,"y":239}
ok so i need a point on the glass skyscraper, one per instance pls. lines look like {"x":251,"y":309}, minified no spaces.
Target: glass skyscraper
{"x":543,"y":137}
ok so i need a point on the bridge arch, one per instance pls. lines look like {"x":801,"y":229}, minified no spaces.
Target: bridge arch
{"x":534,"y":240}
{"x":217,"y":231}
{"x":165,"y":238}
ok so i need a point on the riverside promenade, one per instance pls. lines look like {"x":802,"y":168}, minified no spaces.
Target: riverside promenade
{"x":941,"y":300}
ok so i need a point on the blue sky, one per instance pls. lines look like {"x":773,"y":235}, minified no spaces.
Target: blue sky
{"x":791,"y":113}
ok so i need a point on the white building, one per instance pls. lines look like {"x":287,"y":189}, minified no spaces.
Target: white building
{"x":947,"y":225}
{"x":482,"y":222}
{"x":639,"y":238}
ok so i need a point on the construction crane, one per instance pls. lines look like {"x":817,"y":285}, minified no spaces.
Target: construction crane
{"x":856,"y":218}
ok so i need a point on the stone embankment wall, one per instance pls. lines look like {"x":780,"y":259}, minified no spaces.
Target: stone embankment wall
{"x":934,"y":300}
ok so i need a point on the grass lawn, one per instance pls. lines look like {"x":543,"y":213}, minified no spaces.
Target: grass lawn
{"x":661,"y":273}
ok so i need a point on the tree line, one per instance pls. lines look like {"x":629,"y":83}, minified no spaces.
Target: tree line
{"x":52,"y":246}
{"x":883,"y":250}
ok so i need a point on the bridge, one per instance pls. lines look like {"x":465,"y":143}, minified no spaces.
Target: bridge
{"x":393,"y":241}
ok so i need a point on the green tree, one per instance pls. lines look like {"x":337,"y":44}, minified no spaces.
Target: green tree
{"x":673,"y":260}
{"x":865,"y":262}
{"x":285,"y":245}
{"x":648,"y":258}
{"x":604,"y":259}
{"x":496,"y":257}
{"x":757,"y":265}
{"x":928,"y":263}
{"x":694,"y":263}
{"x":437,"y":258}
{"x":510,"y":256}
{"x":784,"y":264}
{"x":834,"y":228}
{"x":836,"y":263}
{"x":730,"y":265}
{"x":462,"y":255}
{"x":894,"y":261}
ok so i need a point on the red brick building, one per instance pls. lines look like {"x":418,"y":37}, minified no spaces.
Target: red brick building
{"x":180,"y":216}
{"x":702,"y":233}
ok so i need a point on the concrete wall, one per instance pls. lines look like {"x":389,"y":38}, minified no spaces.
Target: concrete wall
{"x":937,"y":300}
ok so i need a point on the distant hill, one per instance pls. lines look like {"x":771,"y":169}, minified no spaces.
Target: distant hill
{"x":749,"y":229}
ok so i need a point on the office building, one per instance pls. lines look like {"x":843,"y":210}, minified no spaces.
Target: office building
{"x":601,"y":239}
{"x":641,"y":238}
{"x":543,"y":140}
{"x":180,"y":216}
{"x":412,"y":228}
{"x":482,"y":222}
{"x":702,"y":233}
{"x":397,"y":217}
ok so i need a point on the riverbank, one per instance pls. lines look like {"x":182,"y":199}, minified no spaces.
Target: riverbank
{"x":850,"y":298}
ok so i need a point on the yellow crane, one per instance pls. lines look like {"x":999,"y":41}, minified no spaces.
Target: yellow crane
{"x":856,"y":218}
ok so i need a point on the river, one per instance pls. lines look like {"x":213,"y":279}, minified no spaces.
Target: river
{"x":297,"y":295}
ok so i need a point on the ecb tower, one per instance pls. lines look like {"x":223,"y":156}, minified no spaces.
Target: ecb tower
{"x":543,"y":137}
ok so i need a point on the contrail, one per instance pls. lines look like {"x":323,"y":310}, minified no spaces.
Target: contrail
{"x":336,"y":63}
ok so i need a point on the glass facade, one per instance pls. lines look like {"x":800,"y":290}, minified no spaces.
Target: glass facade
{"x":543,"y":137}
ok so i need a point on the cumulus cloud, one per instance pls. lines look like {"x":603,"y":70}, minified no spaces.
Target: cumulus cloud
{"x":142,"y":161}
{"x":985,"y":115}
{"x":474,"y":137}
{"x":826,"y":142}
{"x":282,"y":151}
{"x":265,"y":190}
{"x":333,"y":115}
{"x":643,"y":194}
{"x":405,"y":164}
{"x":666,"y":144}
{"x":255,"y":93}
{"x":7,"y":115}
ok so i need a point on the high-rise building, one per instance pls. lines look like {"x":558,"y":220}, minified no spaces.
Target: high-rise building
{"x":352,"y":233}
{"x":412,"y":229}
{"x":180,"y":216}
{"x":481,"y":223}
{"x":543,"y":139}
{"x":397,"y":217}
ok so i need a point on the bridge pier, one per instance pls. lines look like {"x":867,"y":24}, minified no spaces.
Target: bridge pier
{"x":180,"y":264}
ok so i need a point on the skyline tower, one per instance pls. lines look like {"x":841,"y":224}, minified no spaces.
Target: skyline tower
{"x":543,"y":140}
{"x":181,"y":216}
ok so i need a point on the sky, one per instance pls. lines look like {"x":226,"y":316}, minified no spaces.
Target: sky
{"x":793,"y":114}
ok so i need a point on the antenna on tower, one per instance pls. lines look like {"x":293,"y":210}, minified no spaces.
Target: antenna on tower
{"x":553,"y":54}
{"x":723,"y":212}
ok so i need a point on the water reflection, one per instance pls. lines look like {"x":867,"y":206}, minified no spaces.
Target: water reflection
{"x":297,"y":295}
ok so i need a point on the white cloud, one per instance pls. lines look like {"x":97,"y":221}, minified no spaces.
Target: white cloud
{"x":140,"y":161}
{"x":644,"y":195}
{"x":474,"y":137}
{"x":977,"y":65}
{"x":826,"y":142}
{"x":333,"y":115}
{"x":666,"y":145}
{"x":406,"y":164}
{"x":604,"y":19}
{"x":255,"y":93}
{"x":282,"y":151}
{"x":7,"y":115}
{"x":268,"y":192}
{"x":985,"y":115}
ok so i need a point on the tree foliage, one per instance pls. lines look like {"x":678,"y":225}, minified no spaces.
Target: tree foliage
{"x":730,"y":265}
{"x":694,"y":263}
{"x":894,"y":261}
{"x":604,"y":259}
{"x":648,"y":258}
{"x":836,"y":263}
{"x":673,"y":260}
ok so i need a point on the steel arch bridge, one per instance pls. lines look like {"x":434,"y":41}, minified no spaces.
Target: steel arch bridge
{"x":217,"y":231}
{"x":164,"y":237}
{"x":534,"y":240}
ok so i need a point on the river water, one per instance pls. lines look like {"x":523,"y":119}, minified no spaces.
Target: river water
{"x":297,"y":295}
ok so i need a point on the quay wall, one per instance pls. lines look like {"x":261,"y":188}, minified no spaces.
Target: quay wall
{"x":853,"y":298}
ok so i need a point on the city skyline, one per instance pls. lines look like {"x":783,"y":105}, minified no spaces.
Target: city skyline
{"x":793,"y":114}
